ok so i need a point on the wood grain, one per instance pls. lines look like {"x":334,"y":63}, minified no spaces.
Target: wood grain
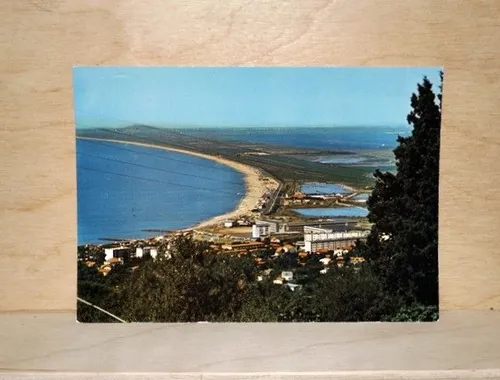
{"x":42,"y":40}
{"x":463,"y":341}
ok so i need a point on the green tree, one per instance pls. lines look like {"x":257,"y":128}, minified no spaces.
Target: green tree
{"x":416,"y":313}
{"x":349,"y":294}
{"x":93,"y":287}
{"x":403,"y":242}
{"x":194,"y":285}
{"x":264,"y":302}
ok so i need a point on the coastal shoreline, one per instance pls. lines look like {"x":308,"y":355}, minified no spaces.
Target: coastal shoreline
{"x":256,"y":183}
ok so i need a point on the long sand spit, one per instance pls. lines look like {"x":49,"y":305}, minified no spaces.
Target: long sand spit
{"x":255,"y":181}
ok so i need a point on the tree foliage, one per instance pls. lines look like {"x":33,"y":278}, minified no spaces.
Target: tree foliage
{"x":404,"y":207}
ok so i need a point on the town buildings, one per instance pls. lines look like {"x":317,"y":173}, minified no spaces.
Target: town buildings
{"x":118,"y":252}
{"x":146,"y":251}
{"x":243,"y":247}
{"x":340,"y":224}
{"x":326,"y":239}
{"x":263,"y":228}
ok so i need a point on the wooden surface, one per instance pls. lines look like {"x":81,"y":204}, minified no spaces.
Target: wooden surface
{"x":42,"y":39}
{"x":53,"y":342}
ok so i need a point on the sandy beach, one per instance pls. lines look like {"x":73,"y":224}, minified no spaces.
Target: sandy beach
{"x":256,"y":183}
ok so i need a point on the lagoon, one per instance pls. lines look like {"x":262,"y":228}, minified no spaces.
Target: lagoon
{"x":332,"y":211}
{"x":341,"y":159}
{"x":324,"y":188}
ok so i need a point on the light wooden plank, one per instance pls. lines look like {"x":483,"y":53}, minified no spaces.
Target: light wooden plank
{"x":53,"y":342}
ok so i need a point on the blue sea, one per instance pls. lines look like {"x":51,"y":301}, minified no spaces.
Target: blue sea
{"x":123,"y":189}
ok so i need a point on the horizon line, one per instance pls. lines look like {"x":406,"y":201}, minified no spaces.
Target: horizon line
{"x":194,"y":126}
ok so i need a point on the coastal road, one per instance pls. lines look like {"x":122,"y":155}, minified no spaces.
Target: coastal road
{"x":270,"y":205}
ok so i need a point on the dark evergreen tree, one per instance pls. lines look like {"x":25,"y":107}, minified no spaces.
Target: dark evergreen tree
{"x":404,"y":207}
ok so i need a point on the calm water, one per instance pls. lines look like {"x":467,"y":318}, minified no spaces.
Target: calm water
{"x":332,"y":212}
{"x":342,"y":159}
{"x":324,"y":188}
{"x":117,"y":199}
{"x":337,"y":138}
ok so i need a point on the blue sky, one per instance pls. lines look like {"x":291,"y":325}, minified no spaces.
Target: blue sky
{"x":245,"y":97}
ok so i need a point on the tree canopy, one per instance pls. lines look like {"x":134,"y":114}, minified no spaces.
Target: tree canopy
{"x":404,"y":207}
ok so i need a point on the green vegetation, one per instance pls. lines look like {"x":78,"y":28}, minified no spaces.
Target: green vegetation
{"x":404,"y":208}
{"x":196,"y":284}
{"x":398,"y":281}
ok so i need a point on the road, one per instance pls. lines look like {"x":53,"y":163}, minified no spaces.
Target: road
{"x":270,"y":205}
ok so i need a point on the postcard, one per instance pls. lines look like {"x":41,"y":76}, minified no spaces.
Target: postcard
{"x":263,"y":194}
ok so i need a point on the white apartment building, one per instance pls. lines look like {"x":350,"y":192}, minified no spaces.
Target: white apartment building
{"x":116,"y":252}
{"x":318,"y":238}
{"x":266,"y":227}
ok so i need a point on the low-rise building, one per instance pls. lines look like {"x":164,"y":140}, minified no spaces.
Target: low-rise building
{"x":146,"y":251}
{"x":340,"y":252}
{"x":121,"y":251}
{"x":293,"y":287}
{"x":243,"y":222}
{"x":287,"y":275}
{"x":243,"y":246}
{"x":278,"y":281}
{"x":385,"y":237}
{"x":299,"y":195}
{"x":114,"y":260}
{"x":325,"y":260}
{"x":105,"y":269}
